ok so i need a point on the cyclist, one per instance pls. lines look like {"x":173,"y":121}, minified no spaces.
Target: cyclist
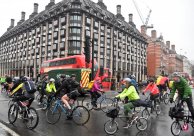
{"x":26,"y":95}
{"x":133,"y":98}
{"x":154,"y":91}
{"x":94,"y":91}
{"x":184,"y":91}
{"x":17,"y":87}
{"x":70,"y":86}
{"x":43,"y":87}
{"x":134,"y":82}
{"x":163,"y":84}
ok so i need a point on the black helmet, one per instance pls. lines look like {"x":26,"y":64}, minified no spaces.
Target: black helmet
{"x":63,"y":76}
{"x":73,"y":75}
{"x":23,"y":79}
{"x":151,"y":80}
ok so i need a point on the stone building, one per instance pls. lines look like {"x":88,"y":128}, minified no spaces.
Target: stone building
{"x":60,"y":31}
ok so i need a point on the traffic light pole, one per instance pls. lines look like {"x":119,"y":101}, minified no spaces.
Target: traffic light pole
{"x":92,"y":75}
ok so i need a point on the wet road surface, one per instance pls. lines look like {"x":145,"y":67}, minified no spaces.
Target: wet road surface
{"x":158,"y":126}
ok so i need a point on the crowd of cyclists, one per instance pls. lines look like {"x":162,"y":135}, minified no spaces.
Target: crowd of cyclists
{"x":66,"y":88}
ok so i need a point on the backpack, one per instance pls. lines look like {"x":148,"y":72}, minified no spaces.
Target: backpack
{"x":29,"y":86}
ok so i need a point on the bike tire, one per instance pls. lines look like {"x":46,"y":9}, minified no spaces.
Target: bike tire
{"x":145,"y":113}
{"x":44,"y":104}
{"x":10,"y":102}
{"x":53,"y":114}
{"x":32,"y":115}
{"x":142,"y":124}
{"x":157,"y":108}
{"x":13,"y":110}
{"x":80,"y":115}
{"x":166,"y":98}
{"x":177,"y":125}
{"x":106,"y":104}
{"x":111,"y":127}
{"x":87,"y":103}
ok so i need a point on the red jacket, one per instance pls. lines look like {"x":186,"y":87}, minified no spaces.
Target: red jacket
{"x":152,"y":88}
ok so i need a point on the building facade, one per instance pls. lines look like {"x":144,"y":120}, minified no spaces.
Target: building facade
{"x":60,"y":31}
{"x":157,"y":55}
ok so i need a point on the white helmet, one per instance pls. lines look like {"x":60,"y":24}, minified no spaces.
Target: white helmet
{"x":127,"y":80}
{"x":133,"y":76}
{"x":52,"y":80}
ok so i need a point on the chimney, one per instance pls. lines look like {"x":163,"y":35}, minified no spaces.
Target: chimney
{"x":168,"y":44}
{"x":52,"y":1}
{"x":173,"y":47}
{"x":130,"y":17}
{"x":153,"y":33}
{"x":143,"y":29}
{"x":100,"y":0}
{"x":12,"y":23}
{"x":35,"y":7}
{"x":23,"y":16}
{"x":118,"y":9}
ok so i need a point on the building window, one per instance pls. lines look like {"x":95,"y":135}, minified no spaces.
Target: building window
{"x":75,"y":30}
{"x":88,"y":20}
{"x":74,"y":47}
{"x":75,"y":17}
{"x":96,"y":24}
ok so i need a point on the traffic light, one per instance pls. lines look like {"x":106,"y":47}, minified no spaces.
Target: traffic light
{"x":87,"y":50}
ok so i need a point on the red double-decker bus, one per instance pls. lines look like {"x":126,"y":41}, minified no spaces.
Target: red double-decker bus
{"x":76,"y":61}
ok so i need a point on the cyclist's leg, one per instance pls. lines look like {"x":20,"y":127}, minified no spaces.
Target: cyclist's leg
{"x":65,"y":100}
{"x":190,"y":106}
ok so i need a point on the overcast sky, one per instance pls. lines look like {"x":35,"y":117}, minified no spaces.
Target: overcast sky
{"x":174,"y":19}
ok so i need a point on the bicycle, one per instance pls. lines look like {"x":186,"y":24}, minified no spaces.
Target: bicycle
{"x":111,"y":126}
{"x":79,"y":113}
{"x":27,"y":114}
{"x":103,"y":103}
{"x":179,"y":114}
{"x":154,"y":107}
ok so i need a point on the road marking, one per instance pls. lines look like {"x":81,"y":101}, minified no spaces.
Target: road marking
{"x":8,"y":130}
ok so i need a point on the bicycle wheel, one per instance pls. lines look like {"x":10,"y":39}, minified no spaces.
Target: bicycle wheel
{"x":145,"y":113}
{"x":12,"y":113}
{"x":32,"y":118}
{"x":106,"y":104}
{"x":44,"y":104}
{"x":53,"y":114}
{"x":142,"y":124}
{"x":137,"y":109}
{"x":81,"y":115}
{"x":157,"y":109}
{"x":166,"y":98}
{"x":87,"y":103}
{"x":176,"y":128}
{"x":38,"y":97}
{"x":10,"y":102}
{"x":111,"y":127}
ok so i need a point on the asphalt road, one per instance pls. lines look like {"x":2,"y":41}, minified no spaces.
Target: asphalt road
{"x":158,"y":126}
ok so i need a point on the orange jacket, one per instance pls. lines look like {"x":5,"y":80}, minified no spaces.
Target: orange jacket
{"x":152,"y":88}
{"x":163,"y":80}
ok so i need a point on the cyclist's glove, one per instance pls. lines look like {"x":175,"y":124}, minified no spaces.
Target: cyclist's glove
{"x":143,"y":93}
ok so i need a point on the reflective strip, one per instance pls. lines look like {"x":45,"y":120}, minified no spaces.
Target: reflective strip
{"x":17,"y":88}
{"x":85,"y":78}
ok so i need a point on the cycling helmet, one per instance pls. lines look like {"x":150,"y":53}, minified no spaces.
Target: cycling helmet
{"x":176,"y":74}
{"x":133,"y":76}
{"x":151,"y":80}
{"x":73,"y":75}
{"x":127,"y":80}
{"x":24,"y":79}
{"x":52,"y":80}
{"x":63,"y":76}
